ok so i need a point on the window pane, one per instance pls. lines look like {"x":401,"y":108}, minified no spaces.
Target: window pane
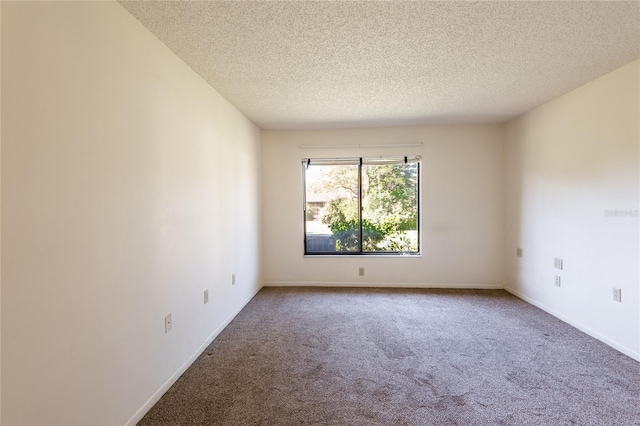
{"x":390,"y":208}
{"x":331,"y":210}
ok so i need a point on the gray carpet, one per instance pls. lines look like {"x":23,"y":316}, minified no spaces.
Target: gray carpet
{"x":310,"y":356}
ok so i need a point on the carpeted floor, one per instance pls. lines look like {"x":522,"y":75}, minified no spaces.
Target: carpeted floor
{"x":310,"y":356}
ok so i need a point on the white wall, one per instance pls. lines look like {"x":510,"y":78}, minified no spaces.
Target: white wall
{"x":129,"y":186}
{"x":462,"y":207}
{"x":567,"y":163}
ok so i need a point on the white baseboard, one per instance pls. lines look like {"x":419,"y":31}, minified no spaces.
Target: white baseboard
{"x":380,"y":285}
{"x":165,"y":387}
{"x":579,"y":326}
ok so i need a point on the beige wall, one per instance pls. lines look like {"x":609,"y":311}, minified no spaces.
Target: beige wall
{"x":462,"y":207}
{"x":129,"y":186}
{"x":567,"y":164}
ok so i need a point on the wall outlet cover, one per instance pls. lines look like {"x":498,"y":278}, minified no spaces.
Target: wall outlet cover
{"x":557,"y":263}
{"x":168,"y":323}
{"x":617,"y":294}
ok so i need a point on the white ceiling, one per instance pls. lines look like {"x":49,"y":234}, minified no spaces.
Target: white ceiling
{"x":303,"y":64}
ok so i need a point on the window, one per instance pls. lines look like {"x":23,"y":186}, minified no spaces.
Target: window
{"x":361,"y":206}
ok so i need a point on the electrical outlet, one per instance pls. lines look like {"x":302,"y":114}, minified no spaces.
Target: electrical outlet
{"x":168,"y":323}
{"x":558,"y":283}
{"x":519,"y":251}
{"x":617,"y":294}
{"x":557,"y":263}
{"x":233,"y":279}
{"x":206,"y":296}
{"x":361,"y":271}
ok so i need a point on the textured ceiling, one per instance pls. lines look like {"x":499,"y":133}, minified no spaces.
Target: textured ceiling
{"x":304,"y":64}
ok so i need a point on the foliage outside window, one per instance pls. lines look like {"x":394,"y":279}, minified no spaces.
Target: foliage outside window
{"x":362,"y":206}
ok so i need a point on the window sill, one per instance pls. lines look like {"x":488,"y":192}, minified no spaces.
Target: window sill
{"x":388,"y":256}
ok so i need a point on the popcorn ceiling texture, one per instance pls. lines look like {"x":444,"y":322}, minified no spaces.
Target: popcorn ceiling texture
{"x":359,"y":64}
